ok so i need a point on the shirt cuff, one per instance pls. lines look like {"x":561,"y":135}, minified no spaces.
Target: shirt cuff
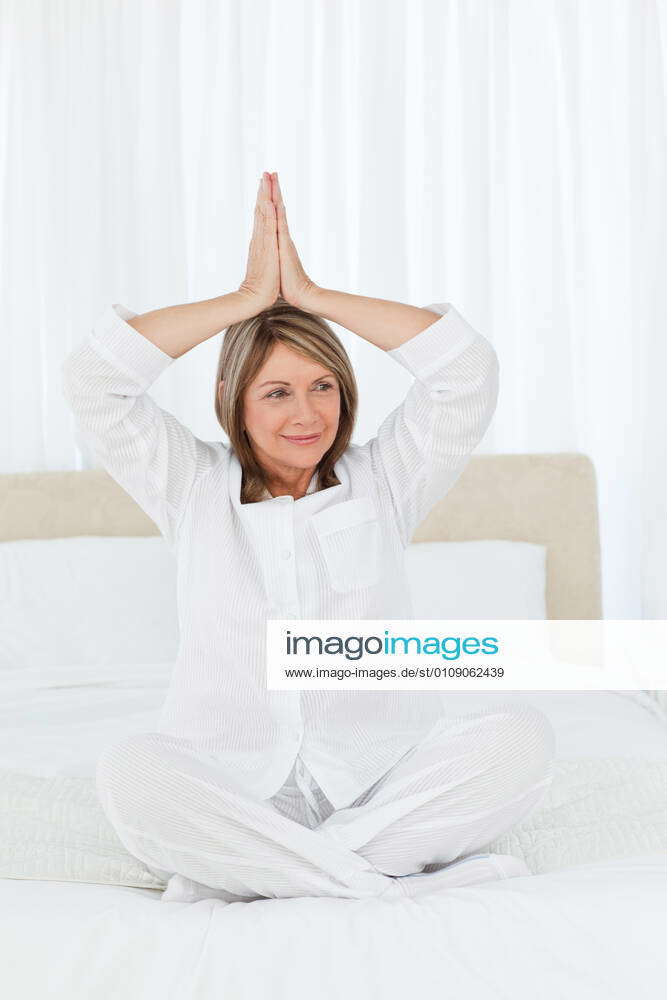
{"x":438,"y":344}
{"x":125,"y":347}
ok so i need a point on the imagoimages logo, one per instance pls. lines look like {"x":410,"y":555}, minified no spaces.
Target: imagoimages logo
{"x":356,"y":646}
{"x":489,"y":654}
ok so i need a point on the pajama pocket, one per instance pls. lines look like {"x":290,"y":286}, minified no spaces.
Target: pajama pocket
{"x":350,"y":540}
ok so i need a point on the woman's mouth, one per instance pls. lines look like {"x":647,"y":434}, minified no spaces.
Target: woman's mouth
{"x":310,"y":439}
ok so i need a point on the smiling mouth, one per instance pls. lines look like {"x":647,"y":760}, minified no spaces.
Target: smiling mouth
{"x":310,"y":439}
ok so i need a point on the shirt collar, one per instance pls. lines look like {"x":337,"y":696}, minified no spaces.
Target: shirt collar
{"x":309,"y":504}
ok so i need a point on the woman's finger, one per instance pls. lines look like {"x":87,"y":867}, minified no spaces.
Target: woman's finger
{"x":265,"y":202}
{"x":280,"y":204}
{"x":261,"y":204}
{"x":260,"y":195}
{"x":282,"y":216}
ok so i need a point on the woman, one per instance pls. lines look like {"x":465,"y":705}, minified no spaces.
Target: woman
{"x":244,"y":793}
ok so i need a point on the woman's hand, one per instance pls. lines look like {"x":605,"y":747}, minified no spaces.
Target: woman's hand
{"x":261,"y":284}
{"x":295,"y":285}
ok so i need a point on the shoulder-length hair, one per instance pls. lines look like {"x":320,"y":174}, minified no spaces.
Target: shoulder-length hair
{"x":245,"y":347}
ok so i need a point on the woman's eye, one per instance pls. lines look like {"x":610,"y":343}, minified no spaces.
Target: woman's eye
{"x":278,"y":393}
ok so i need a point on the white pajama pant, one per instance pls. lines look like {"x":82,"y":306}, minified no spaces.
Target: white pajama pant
{"x":466,"y":782}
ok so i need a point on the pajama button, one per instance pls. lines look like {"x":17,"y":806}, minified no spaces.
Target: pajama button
{"x":286,"y":554}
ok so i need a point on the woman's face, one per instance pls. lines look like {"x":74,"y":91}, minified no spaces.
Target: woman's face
{"x":291,"y":397}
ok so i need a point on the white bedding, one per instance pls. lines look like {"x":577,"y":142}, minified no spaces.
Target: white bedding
{"x":578,"y":930}
{"x":57,"y":721}
{"x":595,"y":933}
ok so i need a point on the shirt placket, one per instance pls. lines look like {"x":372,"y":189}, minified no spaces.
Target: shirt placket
{"x":283,"y":581}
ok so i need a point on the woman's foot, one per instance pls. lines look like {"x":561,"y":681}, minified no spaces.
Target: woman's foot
{"x":184,"y":890}
{"x":472,"y":870}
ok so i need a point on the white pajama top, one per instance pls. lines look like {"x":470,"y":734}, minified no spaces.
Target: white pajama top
{"x":334,"y":553}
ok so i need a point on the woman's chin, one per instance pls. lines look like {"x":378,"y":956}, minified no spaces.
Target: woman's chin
{"x":302,"y":461}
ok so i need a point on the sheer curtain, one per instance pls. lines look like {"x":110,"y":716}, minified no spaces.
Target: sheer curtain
{"x":504,"y":155}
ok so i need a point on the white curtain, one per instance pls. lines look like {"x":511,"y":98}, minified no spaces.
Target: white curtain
{"x":504,"y":155}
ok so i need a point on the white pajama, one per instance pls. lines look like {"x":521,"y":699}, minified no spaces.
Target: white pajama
{"x":264,"y":793}
{"x":465,"y":783}
{"x":336,"y":553}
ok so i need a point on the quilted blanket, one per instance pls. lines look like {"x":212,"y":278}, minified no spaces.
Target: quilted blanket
{"x":596,"y":809}
{"x":55,"y":829}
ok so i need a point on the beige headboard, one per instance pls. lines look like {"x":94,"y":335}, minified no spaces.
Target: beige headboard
{"x":550,"y":499}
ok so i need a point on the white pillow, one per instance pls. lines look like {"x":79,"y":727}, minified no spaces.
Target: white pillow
{"x":101,"y":600}
{"x":477,"y":579}
{"x":87,"y":600}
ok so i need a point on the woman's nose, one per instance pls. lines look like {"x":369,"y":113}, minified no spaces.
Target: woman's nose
{"x":305,"y":408}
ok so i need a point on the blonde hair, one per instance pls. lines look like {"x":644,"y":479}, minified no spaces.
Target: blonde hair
{"x":245,"y":347}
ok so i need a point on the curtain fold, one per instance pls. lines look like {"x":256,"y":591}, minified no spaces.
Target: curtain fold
{"x":508,"y":156}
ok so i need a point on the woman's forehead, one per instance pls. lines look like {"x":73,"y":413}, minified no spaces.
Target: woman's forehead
{"x":287,"y":365}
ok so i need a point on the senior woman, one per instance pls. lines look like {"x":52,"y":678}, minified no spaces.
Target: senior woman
{"x":242,"y":793}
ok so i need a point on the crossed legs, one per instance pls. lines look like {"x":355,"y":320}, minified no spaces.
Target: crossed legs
{"x":467,"y":781}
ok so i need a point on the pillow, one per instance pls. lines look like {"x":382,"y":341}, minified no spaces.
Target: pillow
{"x":596,"y":809}
{"x":54,"y":829}
{"x":87,"y":600}
{"x":477,"y":579}
{"x":100,"y":600}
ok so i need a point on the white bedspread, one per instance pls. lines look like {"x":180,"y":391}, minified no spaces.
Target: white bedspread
{"x":592,"y":933}
{"x":591,"y":930}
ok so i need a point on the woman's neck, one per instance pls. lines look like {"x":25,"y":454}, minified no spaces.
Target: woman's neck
{"x":296,"y":487}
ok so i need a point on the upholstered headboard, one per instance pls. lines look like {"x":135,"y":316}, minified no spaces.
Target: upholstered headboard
{"x":550,"y":499}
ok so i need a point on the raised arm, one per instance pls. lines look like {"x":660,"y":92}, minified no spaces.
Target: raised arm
{"x":423,"y":446}
{"x":177,"y":329}
{"x":106,"y":377}
{"x":143,"y":447}
{"x":382,"y":322}
{"x":385,"y":323}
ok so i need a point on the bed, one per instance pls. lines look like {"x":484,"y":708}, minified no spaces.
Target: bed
{"x":81,"y":918}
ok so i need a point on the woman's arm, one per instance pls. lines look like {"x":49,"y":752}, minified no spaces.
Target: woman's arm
{"x":423,"y":446}
{"x":177,"y":329}
{"x":382,"y":322}
{"x":151,"y":454}
{"x":106,"y":378}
